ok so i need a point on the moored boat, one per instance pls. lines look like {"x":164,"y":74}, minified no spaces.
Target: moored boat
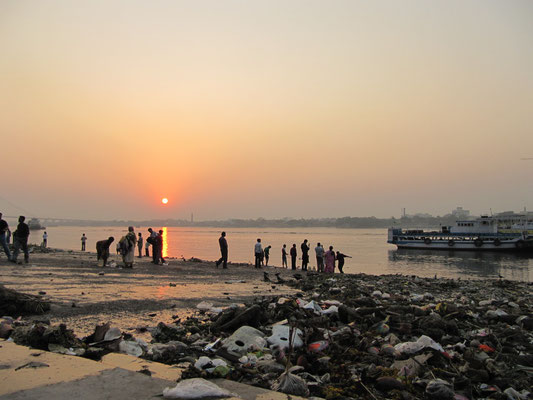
{"x":35,"y":224}
{"x":481,"y":234}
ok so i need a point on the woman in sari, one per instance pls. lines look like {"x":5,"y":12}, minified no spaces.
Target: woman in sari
{"x":330,"y":260}
{"x":128,"y":248}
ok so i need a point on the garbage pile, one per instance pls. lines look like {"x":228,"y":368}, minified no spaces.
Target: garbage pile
{"x":17,"y":303}
{"x":353,"y":336}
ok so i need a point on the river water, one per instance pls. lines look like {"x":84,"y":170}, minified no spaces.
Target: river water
{"x":371,"y":254}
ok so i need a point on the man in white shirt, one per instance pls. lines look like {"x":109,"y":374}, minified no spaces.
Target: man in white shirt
{"x":258,"y":253}
{"x":319,"y":257}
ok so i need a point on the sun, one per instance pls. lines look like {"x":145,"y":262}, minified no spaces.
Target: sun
{"x":164,"y":200}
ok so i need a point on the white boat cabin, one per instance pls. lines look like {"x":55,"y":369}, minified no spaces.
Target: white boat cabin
{"x":484,"y":224}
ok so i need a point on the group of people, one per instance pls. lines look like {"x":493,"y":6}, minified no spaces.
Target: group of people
{"x":262,"y":255}
{"x":20,"y":239}
{"x":325,"y":260}
{"x":127,"y":244}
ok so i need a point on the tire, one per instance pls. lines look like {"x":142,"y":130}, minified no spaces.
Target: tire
{"x":520,"y":244}
{"x":427,"y":241}
{"x":497,"y":242}
{"x":451,"y":242}
{"x":478,"y":242}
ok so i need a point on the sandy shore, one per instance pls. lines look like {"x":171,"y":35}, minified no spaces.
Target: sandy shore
{"x":84,"y":294}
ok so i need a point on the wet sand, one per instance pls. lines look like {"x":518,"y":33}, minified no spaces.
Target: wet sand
{"x":84,"y":294}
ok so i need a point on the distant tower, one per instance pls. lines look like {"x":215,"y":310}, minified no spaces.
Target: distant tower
{"x":403,"y":212}
{"x":192,"y":219}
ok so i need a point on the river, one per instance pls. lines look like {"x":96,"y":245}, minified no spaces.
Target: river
{"x":371,"y":254}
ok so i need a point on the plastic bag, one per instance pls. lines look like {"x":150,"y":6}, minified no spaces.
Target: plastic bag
{"x":289,"y":383}
{"x":439,"y":389}
{"x":196,"y":388}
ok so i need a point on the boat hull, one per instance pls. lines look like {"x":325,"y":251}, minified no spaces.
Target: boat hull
{"x":418,"y":239}
{"x":435,"y":245}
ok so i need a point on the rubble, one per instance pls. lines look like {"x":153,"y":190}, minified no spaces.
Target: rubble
{"x":15,"y":304}
{"x":349,"y":336}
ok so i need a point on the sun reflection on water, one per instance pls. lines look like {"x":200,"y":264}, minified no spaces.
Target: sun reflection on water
{"x":165,"y":243}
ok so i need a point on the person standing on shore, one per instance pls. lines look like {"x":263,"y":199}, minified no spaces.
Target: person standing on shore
{"x":83,"y":240}
{"x":222,"y":242}
{"x":140,"y":244}
{"x":4,"y":228}
{"x":340,"y":259}
{"x":267,"y":254}
{"x":102,"y":249}
{"x":284,"y":256}
{"x":294,"y":254}
{"x":319,"y":250}
{"x":305,"y":255}
{"x":147,"y":248}
{"x":45,"y":239}
{"x":157,"y":249}
{"x":21,"y":240}
{"x":330,"y":261}
{"x":151,"y":240}
{"x":258,"y":251}
{"x":127,"y":247}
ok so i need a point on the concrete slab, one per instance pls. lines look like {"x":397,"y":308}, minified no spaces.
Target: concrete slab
{"x":31,"y":374}
{"x":117,"y":384}
{"x":162,"y":371}
{"x":48,"y":368}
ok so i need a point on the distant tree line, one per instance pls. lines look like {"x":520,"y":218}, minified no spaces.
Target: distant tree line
{"x":344,"y":222}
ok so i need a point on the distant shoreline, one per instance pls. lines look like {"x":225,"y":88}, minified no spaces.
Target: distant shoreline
{"x":345,"y":222}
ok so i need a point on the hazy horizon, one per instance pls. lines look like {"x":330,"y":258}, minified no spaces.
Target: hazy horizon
{"x":271,"y":109}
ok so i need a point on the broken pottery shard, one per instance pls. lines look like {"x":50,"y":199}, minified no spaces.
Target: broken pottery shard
{"x":112,"y":334}
{"x":133,"y":348}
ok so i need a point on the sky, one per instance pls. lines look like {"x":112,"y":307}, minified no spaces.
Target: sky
{"x":247,"y":109}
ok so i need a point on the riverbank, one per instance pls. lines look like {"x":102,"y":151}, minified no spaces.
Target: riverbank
{"x":354,"y":336}
{"x":84,"y":294}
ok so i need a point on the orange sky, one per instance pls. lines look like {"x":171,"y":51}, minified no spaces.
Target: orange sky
{"x":265,"y":109}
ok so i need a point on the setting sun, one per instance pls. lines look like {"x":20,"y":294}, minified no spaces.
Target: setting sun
{"x":164,"y":200}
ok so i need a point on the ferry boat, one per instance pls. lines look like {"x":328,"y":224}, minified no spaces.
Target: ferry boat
{"x":481,"y":234}
{"x":35,"y":224}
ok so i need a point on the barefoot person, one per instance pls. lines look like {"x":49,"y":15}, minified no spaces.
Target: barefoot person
{"x":102,"y":249}
{"x":223,"y":251}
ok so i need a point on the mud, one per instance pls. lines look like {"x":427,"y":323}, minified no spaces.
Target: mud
{"x":83,"y":294}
